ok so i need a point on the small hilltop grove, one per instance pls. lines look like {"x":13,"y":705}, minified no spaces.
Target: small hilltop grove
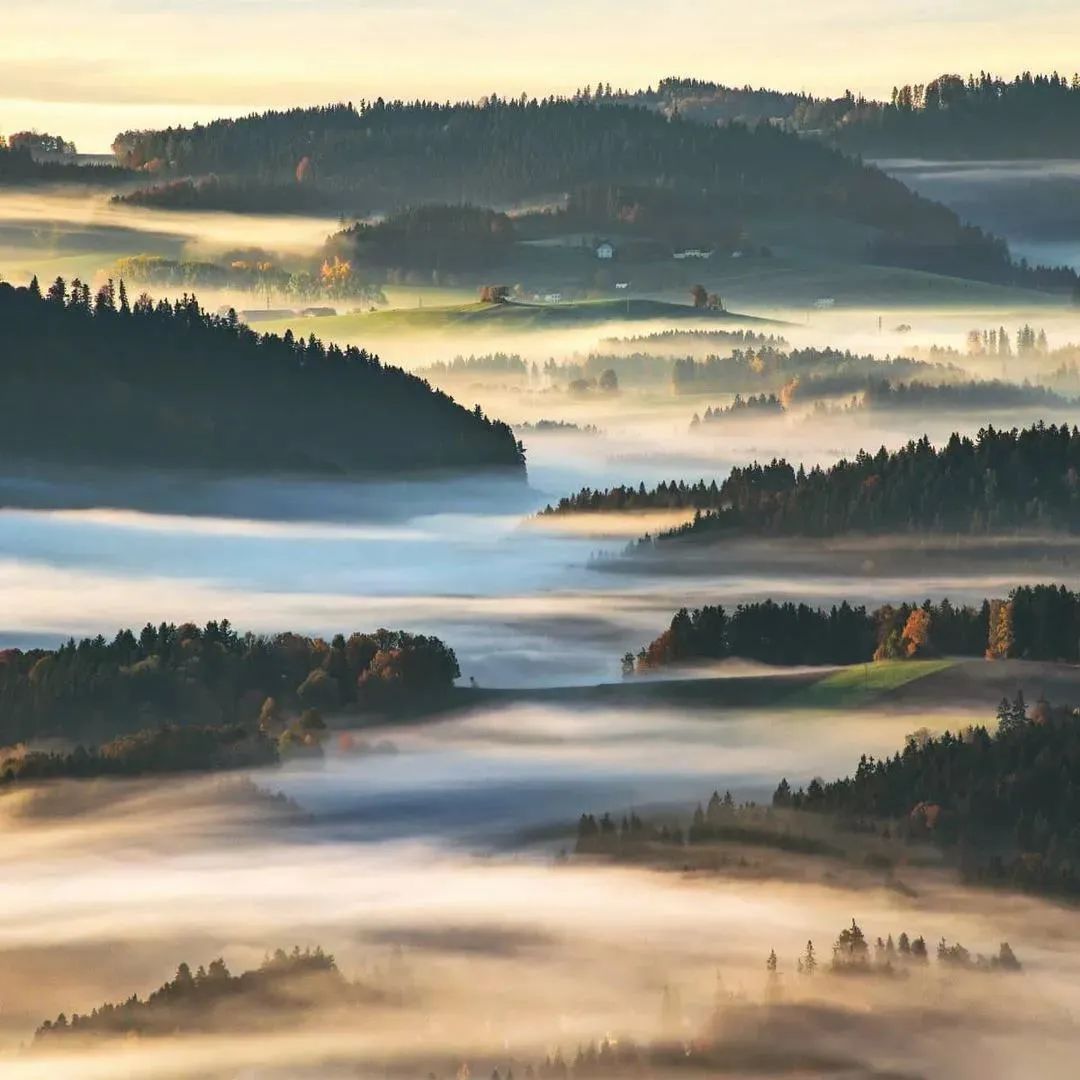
{"x":1034,"y":622}
{"x":218,"y":395}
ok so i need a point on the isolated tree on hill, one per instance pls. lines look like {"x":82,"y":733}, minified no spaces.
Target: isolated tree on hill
{"x":699,"y":296}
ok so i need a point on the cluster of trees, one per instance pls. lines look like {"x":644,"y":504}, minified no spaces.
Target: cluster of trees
{"x":881,"y":394}
{"x":1005,"y":805}
{"x":507,"y":365}
{"x":853,"y":954}
{"x":749,"y":408}
{"x":1035,"y":622}
{"x":556,"y":427}
{"x":633,"y":837}
{"x":334,"y":279}
{"x":396,"y":154}
{"x":18,"y":165}
{"x":980,"y":116}
{"x":631,"y":369}
{"x":1029,"y":342}
{"x":607,"y":382}
{"x":792,"y":634}
{"x":166,"y":749}
{"x":240,"y":195}
{"x":1018,"y":479}
{"x":186,"y":676}
{"x":212,"y":998}
{"x":771,"y":367}
{"x":666,"y":495}
{"x":678,"y":340}
{"x":41,"y":142}
{"x":436,"y":238}
{"x":217,"y":394}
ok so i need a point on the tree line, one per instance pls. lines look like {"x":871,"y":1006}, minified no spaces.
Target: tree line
{"x":78,"y":385}
{"x":18,"y":165}
{"x":978,"y":116}
{"x":1035,"y":622}
{"x":165,"y":749}
{"x":1001,"y":479}
{"x":185,"y":675}
{"x":770,"y":367}
{"x":1004,"y":805}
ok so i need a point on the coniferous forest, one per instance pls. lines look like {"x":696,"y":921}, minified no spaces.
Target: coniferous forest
{"x":1019,"y":479}
{"x":112,"y":380}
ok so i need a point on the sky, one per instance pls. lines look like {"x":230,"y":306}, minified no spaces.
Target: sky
{"x":89,"y":70}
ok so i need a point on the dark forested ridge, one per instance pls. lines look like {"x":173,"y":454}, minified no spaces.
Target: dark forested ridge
{"x":625,"y":162}
{"x":186,"y":676}
{"x":103,"y":381}
{"x":1020,"y":479}
{"x":1035,"y":622}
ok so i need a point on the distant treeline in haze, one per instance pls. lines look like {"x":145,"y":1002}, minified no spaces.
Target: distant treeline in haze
{"x":624,"y":166}
{"x":975,"y":116}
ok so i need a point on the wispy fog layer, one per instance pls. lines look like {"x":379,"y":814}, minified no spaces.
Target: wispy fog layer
{"x":506,"y":955}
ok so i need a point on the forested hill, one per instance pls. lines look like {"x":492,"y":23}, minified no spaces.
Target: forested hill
{"x":101,"y":380}
{"x":1018,"y":479}
{"x":618,"y":160}
{"x":948,"y":117}
{"x":499,"y":150}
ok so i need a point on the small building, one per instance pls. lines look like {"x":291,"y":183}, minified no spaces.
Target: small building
{"x":693,"y":253}
{"x":605,"y":250}
{"x":553,"y":298}
{"x":622,"y":284}
{"x":824,"y":303}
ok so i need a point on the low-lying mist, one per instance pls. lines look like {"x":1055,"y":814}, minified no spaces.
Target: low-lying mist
{"x":501,"y":957}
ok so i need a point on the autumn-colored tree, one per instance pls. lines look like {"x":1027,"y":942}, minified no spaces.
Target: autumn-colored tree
{"x":1001,"y":637}
{"x":335,"y":275}
{"x":916,"y":636}
{"x":305,"y":171}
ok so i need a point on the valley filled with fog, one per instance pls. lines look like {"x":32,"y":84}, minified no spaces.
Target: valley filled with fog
{"x":550,"y":822}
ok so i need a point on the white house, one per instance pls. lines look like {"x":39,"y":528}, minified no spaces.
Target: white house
{"x":693,"y":253}
{"x":605,"y":250}
{"x":622,"y":284}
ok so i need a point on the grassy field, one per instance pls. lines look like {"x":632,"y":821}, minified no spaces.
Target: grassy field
{"x":514,"y":316}
{"x":857,"y":685}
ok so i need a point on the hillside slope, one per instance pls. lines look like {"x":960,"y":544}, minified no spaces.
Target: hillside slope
{"x":167,"y":385}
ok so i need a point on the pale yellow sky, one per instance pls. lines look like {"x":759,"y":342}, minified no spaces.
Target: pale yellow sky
{"x":87,"y":70}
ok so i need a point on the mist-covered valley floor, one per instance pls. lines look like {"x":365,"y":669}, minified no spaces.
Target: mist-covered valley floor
{"x":436,"y":860}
